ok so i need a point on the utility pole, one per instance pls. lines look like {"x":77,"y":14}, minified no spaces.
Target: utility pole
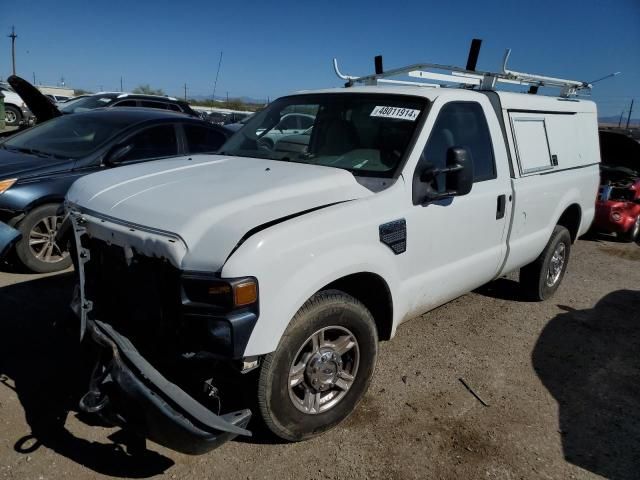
{"x":227,"y":97}
{"x":34,"y":78}
{"x":185,"y":92}
{"x":215,"y":84}
{"x":630,"y":110}
{"x":620,"y":121}
{"x":13,"y":37}
{"x":121,"y":85}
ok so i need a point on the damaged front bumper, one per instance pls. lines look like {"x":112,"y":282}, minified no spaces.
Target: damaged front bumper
{"x":127,"y":391}
{"x":8,"y":238}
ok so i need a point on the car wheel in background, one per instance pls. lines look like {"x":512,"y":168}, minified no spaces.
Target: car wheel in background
{"x":12,"y":116}
{"x":321,"y":369}
{"x":633,"y":234}
{"x":542,"y":277}
{"x":37,"y":249}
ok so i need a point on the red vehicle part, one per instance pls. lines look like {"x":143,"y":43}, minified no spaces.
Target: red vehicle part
{"x":616,"y":215}
{"x":618,"y":202}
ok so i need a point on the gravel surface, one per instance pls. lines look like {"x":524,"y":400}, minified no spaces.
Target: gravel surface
{"x":561,"y":380}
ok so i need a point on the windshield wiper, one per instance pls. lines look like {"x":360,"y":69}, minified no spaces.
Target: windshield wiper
{"x":34,"y":151}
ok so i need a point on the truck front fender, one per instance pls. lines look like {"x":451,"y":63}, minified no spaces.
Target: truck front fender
{"x":288,"y":279}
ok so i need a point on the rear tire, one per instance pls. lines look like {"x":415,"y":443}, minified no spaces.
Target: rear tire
{"x":633,"y":235}
{"x":12,"y":116}
{"x":542,"y":277}
{"x":313,"y":380}
{"x":37,"y":250}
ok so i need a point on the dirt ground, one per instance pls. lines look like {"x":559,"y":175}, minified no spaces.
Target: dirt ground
{"x":561,"y":380}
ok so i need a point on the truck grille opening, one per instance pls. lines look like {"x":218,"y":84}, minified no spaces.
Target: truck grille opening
{"x":140,"y":297}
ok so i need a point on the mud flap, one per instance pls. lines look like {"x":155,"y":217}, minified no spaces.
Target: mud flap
{"x":129,"y":392}
{"x":8,"y":238}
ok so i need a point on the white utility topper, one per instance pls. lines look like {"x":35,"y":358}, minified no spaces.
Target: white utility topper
{"x":294,"y":257}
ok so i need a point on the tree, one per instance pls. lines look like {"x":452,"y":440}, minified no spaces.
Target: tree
{"x":81,"y":91}
{"x":147,"y":90}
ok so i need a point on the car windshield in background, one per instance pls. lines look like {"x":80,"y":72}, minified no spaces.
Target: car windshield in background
{"x":367,"y":134}
{"x":88,"y":103}
{"x":69,"y":136}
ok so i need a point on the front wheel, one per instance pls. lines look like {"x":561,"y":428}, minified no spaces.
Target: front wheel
{"x":12,"y":116}
{"x":321,"y":369}
{"x":38,"y":249}
{"x":541,"y":278}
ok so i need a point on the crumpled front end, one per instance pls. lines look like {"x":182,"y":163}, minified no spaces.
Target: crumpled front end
{"x":154,"y":376}
{"x":128,"y":392}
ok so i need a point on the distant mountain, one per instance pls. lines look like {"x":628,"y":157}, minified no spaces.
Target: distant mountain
{"x":616,"y":119}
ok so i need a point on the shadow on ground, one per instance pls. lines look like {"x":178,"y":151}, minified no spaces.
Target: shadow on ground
{"x":503,"y":289}
{"x":589,"y":360}
{"x":40,"y":355}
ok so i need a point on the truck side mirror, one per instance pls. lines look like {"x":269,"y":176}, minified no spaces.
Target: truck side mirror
{"x":458,"y":175}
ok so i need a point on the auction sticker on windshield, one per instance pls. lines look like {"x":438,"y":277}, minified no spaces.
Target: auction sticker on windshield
{"x":395,"y":112}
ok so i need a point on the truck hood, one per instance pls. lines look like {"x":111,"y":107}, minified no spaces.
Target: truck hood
{"x":211,"y":201}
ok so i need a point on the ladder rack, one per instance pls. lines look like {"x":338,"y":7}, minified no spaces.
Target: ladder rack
{"x":469,"y":77}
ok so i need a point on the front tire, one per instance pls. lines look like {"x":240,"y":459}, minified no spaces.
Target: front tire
{"x":321,"y":369}
{"x":38,"y":250}
{"x":542,"y":277}
{"x":12,"y":116}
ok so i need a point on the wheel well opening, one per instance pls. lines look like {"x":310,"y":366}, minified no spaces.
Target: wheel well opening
{"x":374,"y":293}
{"x":570,"y":219}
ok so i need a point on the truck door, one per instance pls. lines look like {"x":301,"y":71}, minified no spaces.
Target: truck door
{"x":458,"y":243}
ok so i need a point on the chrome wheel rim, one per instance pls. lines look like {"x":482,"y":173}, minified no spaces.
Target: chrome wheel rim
{"x":636,"y":229}
{"x":42,"y":240}
{"x":10,"y":117}
{"x":556,"y":264}
{"x":323,"y":370}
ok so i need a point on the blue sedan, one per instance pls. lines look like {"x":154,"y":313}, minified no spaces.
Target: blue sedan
{"x":38,"y":165}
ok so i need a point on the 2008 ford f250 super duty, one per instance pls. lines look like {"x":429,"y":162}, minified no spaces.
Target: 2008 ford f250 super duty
{"x":293,"y":258}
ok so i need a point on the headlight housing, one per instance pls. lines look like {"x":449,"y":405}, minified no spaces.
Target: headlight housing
{"x":7,"y":184}
{"x":225,"y":294}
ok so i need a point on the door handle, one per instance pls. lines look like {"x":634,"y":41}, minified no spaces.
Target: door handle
{"x":502,"y":203}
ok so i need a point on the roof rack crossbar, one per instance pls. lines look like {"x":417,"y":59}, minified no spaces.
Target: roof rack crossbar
{"x":449,"y":74}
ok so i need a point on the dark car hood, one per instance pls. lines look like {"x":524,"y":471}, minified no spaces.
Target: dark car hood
{"x":39,"y":105}
{"x":619,"y":150}
{"x":21,"y":165}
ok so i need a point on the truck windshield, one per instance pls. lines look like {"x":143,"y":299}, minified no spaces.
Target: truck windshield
{"x":367,"y":134}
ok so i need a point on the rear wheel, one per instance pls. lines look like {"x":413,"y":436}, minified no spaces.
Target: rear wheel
{"x":541,"y":278}
{"x":633,"y":234}
{"x":38,"y":249}
{"x":12,"y":116}
{"x":321,"y":368}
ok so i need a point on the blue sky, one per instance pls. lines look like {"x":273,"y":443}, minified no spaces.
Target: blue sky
{"x":271,"y":49}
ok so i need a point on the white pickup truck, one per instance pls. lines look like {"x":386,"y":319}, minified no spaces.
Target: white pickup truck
{"x":293,"y":263}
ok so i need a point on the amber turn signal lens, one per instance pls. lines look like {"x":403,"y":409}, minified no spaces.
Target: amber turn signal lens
{"x":245,"y":294}
{"x":6,"y":184}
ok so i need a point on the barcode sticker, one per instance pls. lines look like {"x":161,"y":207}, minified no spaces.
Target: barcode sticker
{"x":395,"y":112}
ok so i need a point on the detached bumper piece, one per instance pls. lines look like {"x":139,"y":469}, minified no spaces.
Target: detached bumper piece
{"x":8,"y":237}
{"x":127,"y":391}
